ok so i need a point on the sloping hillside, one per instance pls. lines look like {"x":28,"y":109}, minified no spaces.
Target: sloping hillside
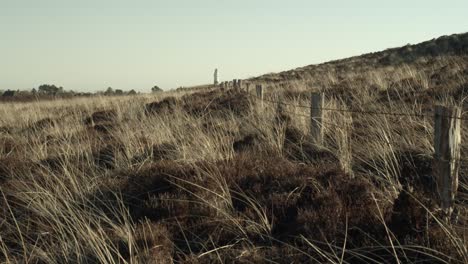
{"x":216,"y":176}
{"x":445,"y":46}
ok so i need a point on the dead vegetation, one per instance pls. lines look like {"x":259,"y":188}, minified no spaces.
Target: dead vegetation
{"x":213,"y":176}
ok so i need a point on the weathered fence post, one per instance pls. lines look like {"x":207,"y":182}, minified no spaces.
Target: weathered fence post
{"x":447,"y":140}
{"x":239,"y":84}
{"x":234,"y":84}
{"x":316,"y":117}
{"x":215,"y":82}
{"x":259,"y":90}
{"x":247,"y":85}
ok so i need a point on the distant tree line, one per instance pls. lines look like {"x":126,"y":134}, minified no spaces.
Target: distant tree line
{"x":109,"y":91}
{"x":48,"y":89}
{"x":53,"y":91}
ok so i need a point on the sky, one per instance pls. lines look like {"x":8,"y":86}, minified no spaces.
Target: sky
{"x":89,"y":45}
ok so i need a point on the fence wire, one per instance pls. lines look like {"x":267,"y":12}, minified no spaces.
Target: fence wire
{"x":461,"y":161}
{"x":368,"y":112}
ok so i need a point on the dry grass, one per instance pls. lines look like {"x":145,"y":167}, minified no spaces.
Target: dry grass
{"x":215,"y":177}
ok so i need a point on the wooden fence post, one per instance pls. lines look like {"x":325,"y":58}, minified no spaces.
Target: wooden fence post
{"x":234,"y":84}
{"x":215,"y":77}
{"x":447,"y":140}
{"x":247,"y":87}
{"x":239,"y":84}
{"x":259,"y":90}
{"x":316,"y":117}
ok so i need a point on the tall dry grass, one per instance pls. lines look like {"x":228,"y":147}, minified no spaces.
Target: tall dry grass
{"x":59,"y":203}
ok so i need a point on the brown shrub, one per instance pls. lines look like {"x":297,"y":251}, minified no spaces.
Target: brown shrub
{"x":443,"y":75}
{"x":406,"y":84}
{"x":153,"y":243}
{"x":412,"y":224}
{"x":409,"y":218}
{"x":416,"y":172}
{"x":342,"y":90}
{"x":249,"y":142}
{"x":101,"y":117}
{"x":58,"y":163}
{"x":104,"y":128}
{"x":297,"y":95}
{"x":152,"y":181}
{"x":165,"y":106}
{"x":460,"y":92}
{"x":163,"y":151}
{"x":299,"y":147}
{"x":164,"y":192}
{"x":8,"y":145}
{"x":11,"y":166}
{"x":43,"y":123}
{"x":408,"y":90}
{"x":318,"y":202}
{"x":302,"y":199}
{"x":105,"y":157}
{"x":6,"y":129}
{"x":217,"y":102}
{"x":54,"y":163}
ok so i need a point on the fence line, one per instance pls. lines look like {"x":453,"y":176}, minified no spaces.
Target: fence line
{"x":447,"y":139}
{"x":247,"y":85}
{"x":352,"y":111}
{"x":342,"y":127}
{"x":357,"y":111}
{"x":238,"y":84}
{"x":461,"y":160}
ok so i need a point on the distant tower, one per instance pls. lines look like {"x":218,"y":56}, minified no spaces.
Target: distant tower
{"x":216,"y":77}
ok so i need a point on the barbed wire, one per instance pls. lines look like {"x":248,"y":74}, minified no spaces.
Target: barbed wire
{"x":358,"y":111}
{"x":461,"y":161}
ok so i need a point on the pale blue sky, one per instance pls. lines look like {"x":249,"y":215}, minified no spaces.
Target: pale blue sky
{"x":88,"y":45}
